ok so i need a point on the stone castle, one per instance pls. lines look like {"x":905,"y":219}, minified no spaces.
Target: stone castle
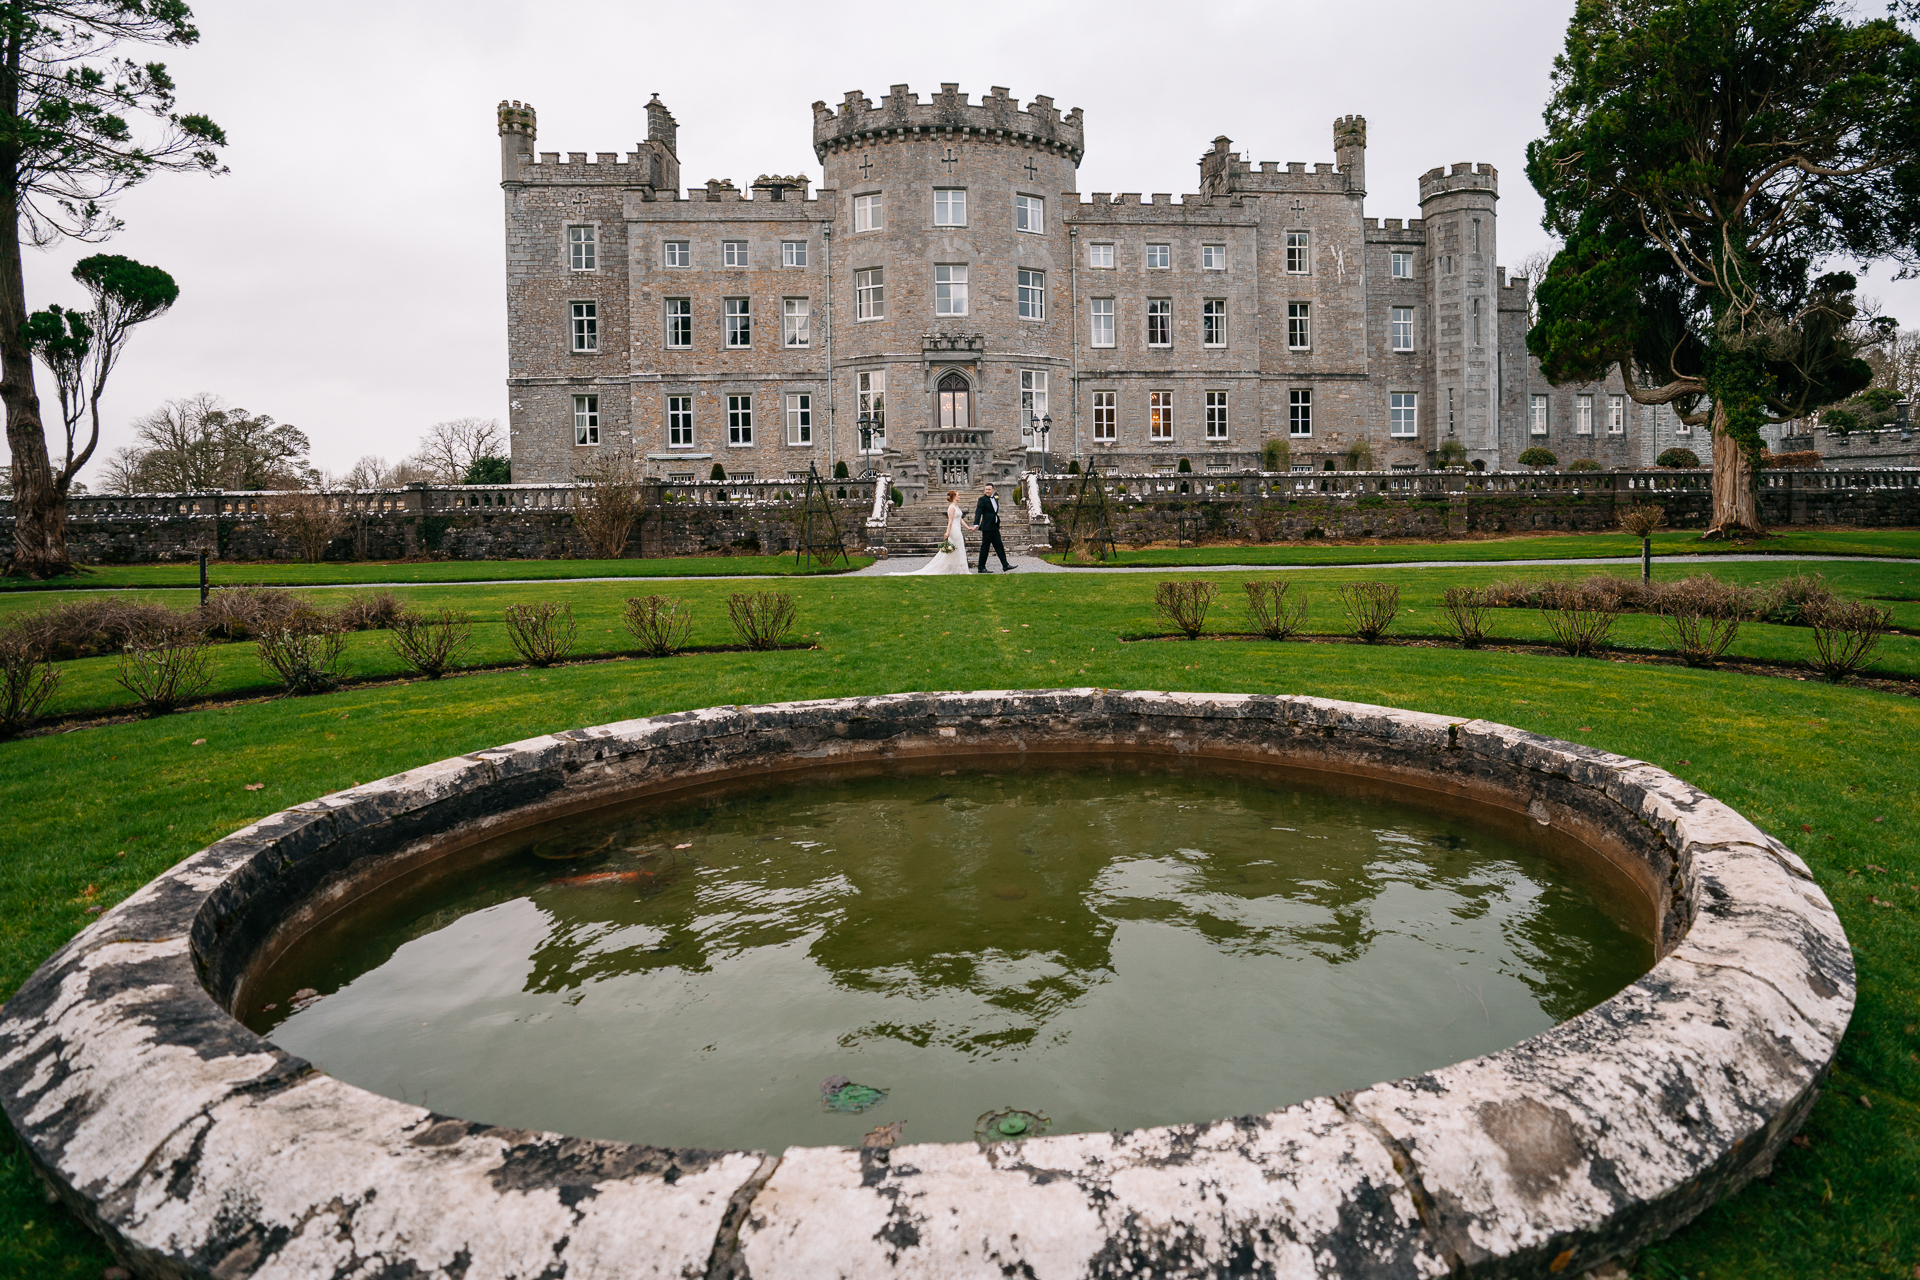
{"x":947,"y":305}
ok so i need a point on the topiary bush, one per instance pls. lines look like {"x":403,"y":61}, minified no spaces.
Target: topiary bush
{"x":1583,"y":464}
{"x":840,"y":470}
{"x":1539,"y":457}
{"x":718,"y":473}
{"x":1185,"y":467}
{"x":1677,"y":457}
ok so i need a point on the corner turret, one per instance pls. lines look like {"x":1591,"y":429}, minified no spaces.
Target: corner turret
{"x":662,"y":147}
{"x":517,"y":132}
{"x":1350,"y":150}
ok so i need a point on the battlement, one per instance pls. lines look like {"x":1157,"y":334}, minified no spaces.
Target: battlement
{"x":655,"y":164}
{"x":996,"y":117}
{"x":1462,"y":177}
{"x":1224,"y":171}
{"x":1414,"y":230}
{"x":518,"y":118}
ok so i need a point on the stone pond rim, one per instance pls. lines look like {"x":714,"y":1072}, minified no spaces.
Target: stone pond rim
{"x":200,"y":1149}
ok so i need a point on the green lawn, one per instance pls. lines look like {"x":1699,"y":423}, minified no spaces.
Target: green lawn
{"x":279,"y":573}
{"x":86,"y":817}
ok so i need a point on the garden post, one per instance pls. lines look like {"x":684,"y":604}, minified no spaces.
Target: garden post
{"x":203,"y":578}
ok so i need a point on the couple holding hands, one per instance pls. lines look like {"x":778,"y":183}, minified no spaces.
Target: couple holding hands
{"x":952,"y":556}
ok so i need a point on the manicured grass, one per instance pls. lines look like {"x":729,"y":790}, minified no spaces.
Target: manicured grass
{"x":288,"y":574}
{"x":1903,"y":543}
{"x":87,"y":817}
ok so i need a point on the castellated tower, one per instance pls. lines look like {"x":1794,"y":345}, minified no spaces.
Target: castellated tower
{"x":517,"y":133}
{"x":1457,"y":207}
{"x":1350,"y":151}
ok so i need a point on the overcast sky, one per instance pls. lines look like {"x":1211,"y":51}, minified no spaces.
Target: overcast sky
{"x":346,"y":275}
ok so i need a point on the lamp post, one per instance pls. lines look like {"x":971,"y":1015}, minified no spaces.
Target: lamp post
{"x":1036,"y":434}
{"x":865,"y":422}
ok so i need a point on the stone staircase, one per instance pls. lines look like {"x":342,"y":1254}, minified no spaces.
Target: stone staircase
{"x":915,"y":528}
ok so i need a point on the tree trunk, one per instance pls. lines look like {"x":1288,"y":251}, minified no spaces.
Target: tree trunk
{"x":1736,"y":509}
{"x":39,"y":503}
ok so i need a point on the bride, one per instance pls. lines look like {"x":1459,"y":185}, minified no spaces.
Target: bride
{"x":952,"y":558}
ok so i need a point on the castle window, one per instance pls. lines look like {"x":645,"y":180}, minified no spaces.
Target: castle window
{"x":1213,"y":257}
{"x":1401,"y":265}
{"x":739,"y":421}
{"x":1033,"y":401}
{"x":679,"y":422}
{"x":1100,"y":257}
{"x":677,"y":253}
{"x":1102,"y":322}
{"x":1033,"y":294}
{"x":679,"y":322}
{"x":1403,"y":413}
{"x":1583,"y":415}
{"x":1476,"y":322}
{"x":1159,"y":322}
{"x":870,"y":294}
{"x":868,"y":213}
{"x":739,"y":322}
{"x":1103,"y":416}
{"x":949,"y":207}
{"x":1029,"y":214}
{"x":872,"y":397}
{"x":586,"y":326}
{"x":1616,"y":415}
{"x":733,"y":253}
{"x":1213,"y":322}
{"x":800,"y":419}
{"x":956,"y":402}
{"x":1216,"y":415}
{"x":1160,"y":416}
{"x":950,"y":289}
{"x":1159,"y":257}
{"x":1299,"y":325}
{"x":797,"y":321}
{"x":1300,"y":411}
{"x":1536,"y":415}
{"x":1403,"y":328}
{"x":586,"y":420}
{"x":580,"y":248}
{"x":1297,"y":260}
{"x":1474,"y":245}
{"x":793,"y":253}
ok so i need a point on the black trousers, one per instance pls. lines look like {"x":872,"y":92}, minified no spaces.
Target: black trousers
{"x":990,"y":538}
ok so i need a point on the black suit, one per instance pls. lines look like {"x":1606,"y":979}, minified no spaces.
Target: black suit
{"x":986,"y":517}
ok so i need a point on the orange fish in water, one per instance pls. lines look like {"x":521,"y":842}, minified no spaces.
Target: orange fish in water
{"x":601,"y":877}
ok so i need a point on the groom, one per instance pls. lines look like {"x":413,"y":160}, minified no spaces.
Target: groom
{"x":986,"y":515}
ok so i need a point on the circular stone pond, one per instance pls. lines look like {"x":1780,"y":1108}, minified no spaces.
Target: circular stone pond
{"x":1062,"y":983}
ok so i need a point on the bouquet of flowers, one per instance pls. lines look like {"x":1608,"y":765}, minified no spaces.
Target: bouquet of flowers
{"x":946,"y":545}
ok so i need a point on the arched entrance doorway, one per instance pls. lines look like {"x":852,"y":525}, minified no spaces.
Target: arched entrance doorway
{"x":954,"y":440}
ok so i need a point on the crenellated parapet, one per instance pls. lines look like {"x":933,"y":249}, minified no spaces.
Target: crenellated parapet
{"x":901,"y":114}
{"x":1224,"y":171}
{"x":1443,"y":181}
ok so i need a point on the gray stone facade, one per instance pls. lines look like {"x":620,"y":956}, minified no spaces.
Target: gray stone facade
{"x":948,"y":280}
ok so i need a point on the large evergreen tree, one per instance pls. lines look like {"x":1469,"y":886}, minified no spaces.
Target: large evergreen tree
{"x":1711,"y":167}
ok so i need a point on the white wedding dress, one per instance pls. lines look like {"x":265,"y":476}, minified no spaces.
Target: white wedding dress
{"x":954,"y":561}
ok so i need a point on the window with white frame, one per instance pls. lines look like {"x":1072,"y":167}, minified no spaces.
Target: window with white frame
{"x":949,"y":207}
{"x":1299,"y":325}
{"x":733,"y":253}
{"x":1213,"y":322}
{"x":1449,"y":410}
{"x":739,"y":322}
{"x":679,"y":322}
{"x":1159,"y":257}
{"x":871,"y":397}
{"x":1300,"y":411}
{"x":870,"y":294}
{"x":796,"y":322}
{"x":1403,"y":413}
{"x":1033,"y":401}
{"x":1297,"y":259}
{"x":1216,"y":416}
{"x":1616,"y":415}
{"x":581,"y":248}
{"x":1583,"y":415}
{"x":1536,"y":415}
{"x":1100,"y":257}
{"x":586,"y":420}
{"x":677,"y":253}
{"x":679,"y":422}
{"x":1402,"y":327}
{"x":799,"y":418}
{"x":1400,"y":265}
{"x":1160,"y":416}
{"x":586,"y":326}
{"x":793,"y":253}
{"x":869,"y":214}
{"x":1213,"y":257}
{"x":1104,"y":415}
{"x":950,"y":288}
{"x":1032,"y":287}
{"x":1102,"y":320}
{"x":1159,"y":322}
{"x":1681,"y":427}
{"x":1029,"y":214}
{"x":739,"y":421}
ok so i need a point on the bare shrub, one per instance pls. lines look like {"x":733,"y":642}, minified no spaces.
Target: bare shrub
{"x":312,"y":520}
{"x":236,"y":613}
{"x":1277,"y":616}
{"x":1513,"y":593}
{"x":1794,"y":599}
{"x":659,"y":624}
{"x":164,"y":666}
{"x":541,"y":633}
{"x":1466,"y":613}
{"x":1642,"y":518}
{"x":1845,"y":635}
{"x":1185,"y":604}
{"x":27,"y":680}
{"x":429,"y":642}
{"x":1372,"y":606}
{"x":1701,"y":615}
{"x":607,"y":505}
{"x":370,"y":611}
{"x":762,"y":618}
{"x":304,"y":649}
{"x":86,"y":628}
{"x":1581,"y":616}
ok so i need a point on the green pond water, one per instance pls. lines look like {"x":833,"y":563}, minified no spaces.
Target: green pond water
{"x":1105,"y":947}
